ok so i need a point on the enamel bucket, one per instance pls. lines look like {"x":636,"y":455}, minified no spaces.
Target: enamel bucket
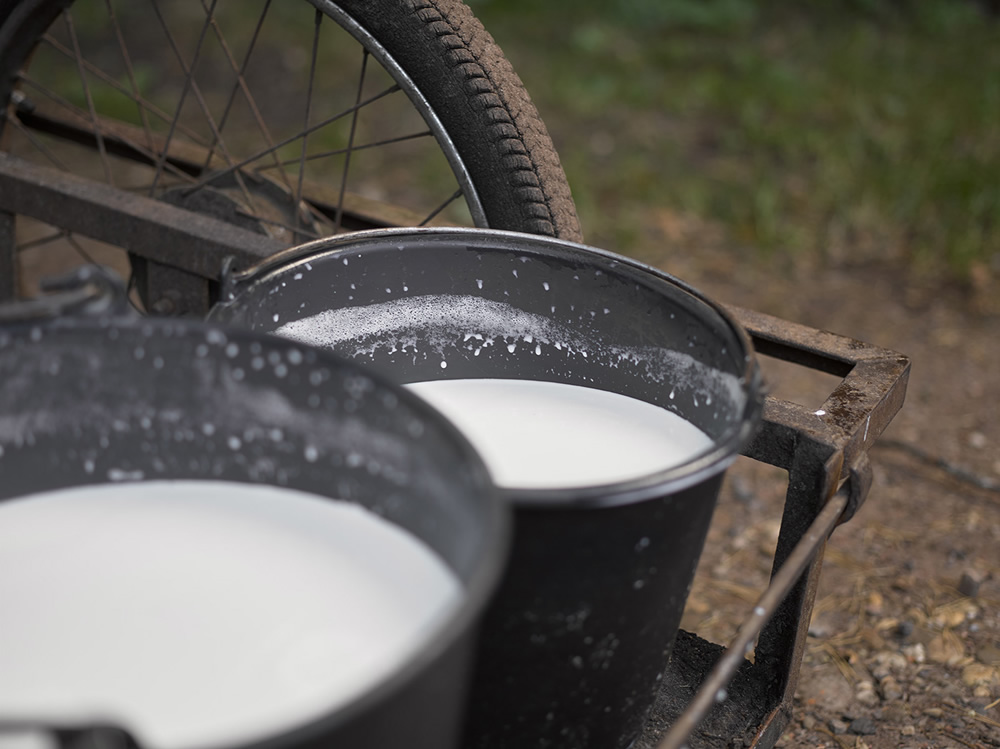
{"x":97,"y":402}
{"x":576,"y":640}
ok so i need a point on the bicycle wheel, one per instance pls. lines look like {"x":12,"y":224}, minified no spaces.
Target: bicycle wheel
{"x":291,"y":120}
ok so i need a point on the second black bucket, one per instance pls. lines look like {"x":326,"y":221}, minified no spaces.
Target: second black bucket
{"x":578,"y":635}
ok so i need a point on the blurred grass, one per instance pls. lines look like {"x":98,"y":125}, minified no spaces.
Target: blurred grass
{"x":845,"y":131}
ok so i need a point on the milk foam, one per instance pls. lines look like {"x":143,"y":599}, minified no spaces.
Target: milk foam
{"x":435,"y":325}
{"x":202,"y":613}
{"x":545,"y":435}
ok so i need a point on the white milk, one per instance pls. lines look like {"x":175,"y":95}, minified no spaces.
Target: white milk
{"x":202,"y":613}
{"x":544,"y":435}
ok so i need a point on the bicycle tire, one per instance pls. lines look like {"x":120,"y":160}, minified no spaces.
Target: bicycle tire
{"x":457,"y":70}
{"x":486,"y":109}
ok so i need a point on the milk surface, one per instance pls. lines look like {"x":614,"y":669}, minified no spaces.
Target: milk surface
{"x":545,"y":435}
{"x":203,"y":613}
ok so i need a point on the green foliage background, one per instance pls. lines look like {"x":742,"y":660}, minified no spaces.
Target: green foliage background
{"x":842,"y":130}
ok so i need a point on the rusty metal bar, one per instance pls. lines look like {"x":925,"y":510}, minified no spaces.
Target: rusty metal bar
{"x":149,"y":228}
{"x":825,"y":452}
{"x":712,"y":690}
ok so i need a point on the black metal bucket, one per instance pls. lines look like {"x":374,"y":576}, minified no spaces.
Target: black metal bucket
{"x":88,"y":401}
{"x":576,"y":640}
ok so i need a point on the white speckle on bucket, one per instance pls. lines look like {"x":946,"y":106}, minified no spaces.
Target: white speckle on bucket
{"x":120,"y":474}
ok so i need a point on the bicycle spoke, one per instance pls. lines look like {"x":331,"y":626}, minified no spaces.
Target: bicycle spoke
{"x":100,"y":130}
{"x":309,"y":234}
{"x":41,"y":241}
{"x":241,"y":85}
{"x":90,"y":100}
{"x":130,"y":70}
{"x":42,"y":148}
{"x":75,"y":244}
{"x":188,"y":83}
{"x":350,"y":144}
{"x":341,"y":151}
{"x":318,"y":19}
{"x":291,"y":139}
{"x":146,"y":105}
{"x":455,"y":196}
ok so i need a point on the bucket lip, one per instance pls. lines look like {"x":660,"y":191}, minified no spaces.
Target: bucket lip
{"x":455,"y":624}
{"x":701,"y":467}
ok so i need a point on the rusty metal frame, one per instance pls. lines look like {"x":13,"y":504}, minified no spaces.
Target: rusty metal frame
{"x":184,"y":250}
{"x":824,"y":451}
{"x":826,"y":455}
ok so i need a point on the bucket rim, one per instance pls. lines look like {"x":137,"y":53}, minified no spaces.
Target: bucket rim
{"x":695,"y":470}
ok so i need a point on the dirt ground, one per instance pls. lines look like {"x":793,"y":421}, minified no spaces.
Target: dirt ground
{"x":904,"y":646}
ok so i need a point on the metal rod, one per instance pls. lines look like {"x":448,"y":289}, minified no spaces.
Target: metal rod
{"x":713,"y":689}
